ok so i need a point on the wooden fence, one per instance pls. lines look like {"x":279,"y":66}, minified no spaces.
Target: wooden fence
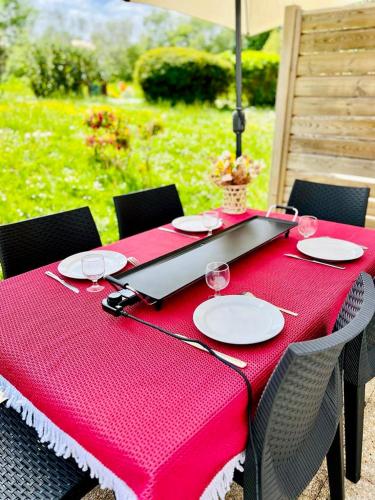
{"x":325,"y":108}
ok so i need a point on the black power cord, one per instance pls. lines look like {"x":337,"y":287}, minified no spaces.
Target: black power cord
{"x":250,"y":445}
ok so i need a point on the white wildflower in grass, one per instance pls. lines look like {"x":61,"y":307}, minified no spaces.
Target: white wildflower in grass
{"x":98,"y":186}
{"x":38,"y":134}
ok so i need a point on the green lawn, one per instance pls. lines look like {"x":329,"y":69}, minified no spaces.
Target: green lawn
{"x":46,"y":166}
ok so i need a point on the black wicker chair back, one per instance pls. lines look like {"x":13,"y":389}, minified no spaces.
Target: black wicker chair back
{"x":344,"y":204}
{"x":30,"y":470}
{"x":298,"y":415}
{"x":359,"y":368}
{"x":36,"y":242}
{"x":359,"y":358}
{"x":143,"y":210}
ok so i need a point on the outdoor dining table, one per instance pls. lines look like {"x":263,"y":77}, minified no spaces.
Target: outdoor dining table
{"x":149,"y":415}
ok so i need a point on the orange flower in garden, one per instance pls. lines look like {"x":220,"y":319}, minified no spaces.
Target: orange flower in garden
{"x":122,"y":86}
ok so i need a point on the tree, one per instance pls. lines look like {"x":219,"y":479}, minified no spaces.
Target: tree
{"x":14,"y":15}
{"x":60,"y":69}
{"x":158,"y":26}
{"x":170,"y":30}
{"x":116,"y":52}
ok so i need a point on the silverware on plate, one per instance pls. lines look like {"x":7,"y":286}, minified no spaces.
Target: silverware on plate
{"x":281,"y":309}
{"x":64,"y":283}
{"x":178,"y":232}
{"x":313,"y":261}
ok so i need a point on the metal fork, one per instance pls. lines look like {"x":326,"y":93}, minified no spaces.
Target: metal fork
{"x":134,"y":262}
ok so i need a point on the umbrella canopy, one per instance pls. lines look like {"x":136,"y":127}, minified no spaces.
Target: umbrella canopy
{"x":257,"y":15}
{"x":247,"y":17}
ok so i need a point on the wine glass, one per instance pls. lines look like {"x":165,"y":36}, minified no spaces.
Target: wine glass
{"x":217,"y":276}
{"x":210,"y":221}
{"x":93,"y":267}
{"x":307,"y":225}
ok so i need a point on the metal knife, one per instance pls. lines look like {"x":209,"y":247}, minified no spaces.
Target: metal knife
{"x":231,"y":359}
{"x":286,"y":311}
{"x":314,"y":261}
{"x":64,"y":283}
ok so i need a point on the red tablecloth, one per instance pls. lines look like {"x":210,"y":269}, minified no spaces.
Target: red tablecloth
{"x":159,"y":414}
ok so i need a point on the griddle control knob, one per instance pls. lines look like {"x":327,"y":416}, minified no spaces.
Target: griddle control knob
{"x":114,"y":299}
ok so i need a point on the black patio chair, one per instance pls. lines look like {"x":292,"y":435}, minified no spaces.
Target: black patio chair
{"x":344,"y":204}
{"x":36,"y":242}
{"x":298,"y":419}
{"x":30,"y":470}
{"x":143,"y":210}
{"x":359,"y":368}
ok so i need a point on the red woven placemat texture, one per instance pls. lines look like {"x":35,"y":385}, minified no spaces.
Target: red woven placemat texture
{"x":160,"y":414}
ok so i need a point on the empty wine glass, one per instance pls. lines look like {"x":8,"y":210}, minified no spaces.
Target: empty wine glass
{"x":307,"y":225}
{"x":93,"y":267}
{"x":210,"y":220}
{"x":217,"y":276}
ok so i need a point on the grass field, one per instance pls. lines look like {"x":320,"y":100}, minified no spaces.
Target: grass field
{"x":46,"y":166}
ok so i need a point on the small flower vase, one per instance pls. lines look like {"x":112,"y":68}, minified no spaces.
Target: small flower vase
{"x":235,"y":199}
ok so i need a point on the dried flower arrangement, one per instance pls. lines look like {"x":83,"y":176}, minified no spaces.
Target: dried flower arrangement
{"x":231,"y":171}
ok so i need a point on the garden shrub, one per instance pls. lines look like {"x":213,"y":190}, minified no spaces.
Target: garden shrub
{"x":259,"y":77}
{"x":183,"y":74}
{"x":111,"y":139}
{"x":60,"y":69}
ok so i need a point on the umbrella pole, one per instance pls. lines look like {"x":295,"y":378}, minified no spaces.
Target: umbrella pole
{"x":238,"y":115}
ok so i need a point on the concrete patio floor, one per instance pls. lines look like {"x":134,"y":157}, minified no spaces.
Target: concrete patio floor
{"x":318,"y":488}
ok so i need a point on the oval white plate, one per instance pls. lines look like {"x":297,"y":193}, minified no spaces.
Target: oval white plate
{"x":71,"y":267}
{"x":193,"y":224}
{"x":238,"y":319}
{"x":330,"y":249}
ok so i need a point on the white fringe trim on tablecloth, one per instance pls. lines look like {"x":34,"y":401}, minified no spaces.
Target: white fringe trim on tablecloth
{"x":221,"y":483}
{"x":62,"y":444}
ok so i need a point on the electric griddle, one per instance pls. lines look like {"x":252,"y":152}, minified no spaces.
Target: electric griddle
{"x":159,"y":278}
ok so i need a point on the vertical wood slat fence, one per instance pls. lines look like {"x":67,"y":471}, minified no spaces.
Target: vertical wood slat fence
{"x":325,"y":107}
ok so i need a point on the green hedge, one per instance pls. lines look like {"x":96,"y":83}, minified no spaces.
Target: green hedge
{"x":259,"y":77}
{"x":183,"y":74}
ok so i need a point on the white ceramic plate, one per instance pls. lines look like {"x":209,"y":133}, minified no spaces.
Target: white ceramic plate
{"x":193,"y":224}
{"x":330,"y":249}
{"x":238,"y":319}
{"x":71,"y":267}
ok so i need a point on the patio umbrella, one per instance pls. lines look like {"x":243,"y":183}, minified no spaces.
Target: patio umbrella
{"x":247,"y":17}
